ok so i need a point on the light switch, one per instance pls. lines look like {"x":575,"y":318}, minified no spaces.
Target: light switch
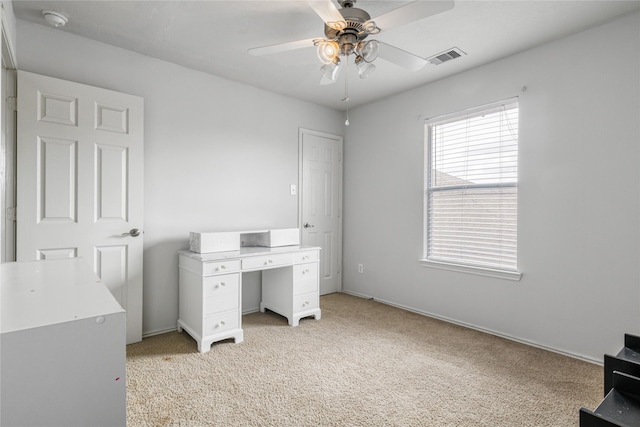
{"x":293,"y":189}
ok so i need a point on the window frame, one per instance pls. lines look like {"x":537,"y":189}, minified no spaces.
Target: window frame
{"x":427,"y":145}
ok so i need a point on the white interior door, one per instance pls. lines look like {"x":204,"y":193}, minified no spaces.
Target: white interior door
{"x":80,"y":182}
{"x":321,"y":203}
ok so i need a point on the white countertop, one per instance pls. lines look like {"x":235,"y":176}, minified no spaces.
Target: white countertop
{"x":39,"y":293}
{"x":246,"y":251}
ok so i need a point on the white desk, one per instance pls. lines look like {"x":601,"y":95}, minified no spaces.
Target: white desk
{"x":63,"y":346}
{"x":210,"y":307}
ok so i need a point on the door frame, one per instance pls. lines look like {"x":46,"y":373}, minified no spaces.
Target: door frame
{"x":8,"y":150}
{"x":339,"y":139}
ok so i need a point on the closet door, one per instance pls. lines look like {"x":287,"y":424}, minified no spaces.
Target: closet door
{"x":321,"y":203}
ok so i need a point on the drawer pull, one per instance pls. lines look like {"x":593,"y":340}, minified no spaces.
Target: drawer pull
{"x":222,"y":285}
{"x":305,"y":257}
{"x":306,"y":303}
{"x":220,"y":324}
{"x":222,"y":267}
{"x":270,"y":261}
{"x":306,"y":271}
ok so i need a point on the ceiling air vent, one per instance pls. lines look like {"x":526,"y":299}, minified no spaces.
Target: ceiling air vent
{"x":445,"y":56}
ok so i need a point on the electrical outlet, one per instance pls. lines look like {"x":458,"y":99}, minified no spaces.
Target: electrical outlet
{"x":360,"y":268}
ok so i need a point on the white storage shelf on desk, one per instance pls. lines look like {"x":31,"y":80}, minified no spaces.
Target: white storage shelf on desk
{"x":210,"y":295}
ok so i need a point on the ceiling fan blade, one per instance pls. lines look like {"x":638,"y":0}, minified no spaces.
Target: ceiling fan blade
{"x":412,"y":12}
{"x":282,"y":47}
{"x":329,"y":13}
{"x":400,"y":57}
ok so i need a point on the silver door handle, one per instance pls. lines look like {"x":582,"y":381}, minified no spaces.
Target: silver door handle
{"x":307,"y":225}
{"x":134,"y":232}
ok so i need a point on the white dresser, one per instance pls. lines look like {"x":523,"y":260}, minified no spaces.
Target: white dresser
{"x":62,"y":347}
{"x":210,"y":307}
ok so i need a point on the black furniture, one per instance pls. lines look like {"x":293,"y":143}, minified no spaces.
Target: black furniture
{"x":627,"y":361}
{"x":621,"y":404}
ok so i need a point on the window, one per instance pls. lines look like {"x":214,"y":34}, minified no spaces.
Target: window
{"x":471,"y":189}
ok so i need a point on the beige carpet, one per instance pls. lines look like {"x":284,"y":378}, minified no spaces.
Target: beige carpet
{"x":363,"y":364}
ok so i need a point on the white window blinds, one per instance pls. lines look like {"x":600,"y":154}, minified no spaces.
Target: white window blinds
{"x":471,"y":187}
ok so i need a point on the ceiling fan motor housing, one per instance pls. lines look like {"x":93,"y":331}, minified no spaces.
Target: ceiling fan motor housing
{"x":354,"y":32}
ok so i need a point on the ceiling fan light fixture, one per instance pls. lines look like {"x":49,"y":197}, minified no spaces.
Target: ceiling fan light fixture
{"x":347,"y":43}
{"x":368,"y":50}
{"x":364,"y":68}
{"x":330,"y":72}
{"x":328,"y":51}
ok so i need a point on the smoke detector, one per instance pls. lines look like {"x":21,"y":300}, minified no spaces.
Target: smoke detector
{"x":55,"y":19}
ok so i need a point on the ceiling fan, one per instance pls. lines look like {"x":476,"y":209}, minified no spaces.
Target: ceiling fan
{"x":346,"y":30}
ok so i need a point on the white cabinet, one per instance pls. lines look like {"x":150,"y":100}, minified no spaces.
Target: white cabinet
{"x":62,"y":346}
{"x":210,"y":300}
{"x":293,"y":292}
{"x":210,"y":307}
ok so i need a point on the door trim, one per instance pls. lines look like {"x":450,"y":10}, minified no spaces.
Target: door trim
{"x":8,"y":145}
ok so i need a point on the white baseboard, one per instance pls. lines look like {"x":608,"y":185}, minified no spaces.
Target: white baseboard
{"x":477,"y":328}
{"x":158,"y":332}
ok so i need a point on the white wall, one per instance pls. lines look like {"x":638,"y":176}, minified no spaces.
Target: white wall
{"x":579,"y":188}
{"x":218,"y":155}
{"x":9,"y":26}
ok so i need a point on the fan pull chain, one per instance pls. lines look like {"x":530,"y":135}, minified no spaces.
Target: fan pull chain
{"x":346,"y":88}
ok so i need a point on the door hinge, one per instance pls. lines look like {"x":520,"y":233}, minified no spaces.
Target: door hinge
{"x":12,"y":103}
{"x":11,"y":214}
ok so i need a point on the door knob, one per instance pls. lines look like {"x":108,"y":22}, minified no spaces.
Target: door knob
{"x":307,"y":225}
{"x":134,"y":232}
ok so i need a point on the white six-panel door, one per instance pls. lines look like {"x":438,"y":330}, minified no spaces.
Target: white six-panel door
{"x":321,"y":203}
{"x":80,"y":182}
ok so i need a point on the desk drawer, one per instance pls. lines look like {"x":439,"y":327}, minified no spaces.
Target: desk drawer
{"x":305,"y":278}
{"x":220,"y":323}
{"x":267,"y":261}
{"x":220,"y":302}
{"x":221,"y":283}
{"x":307,"y":256}
{"x":305,"y":302}
{"x":220,"y":267}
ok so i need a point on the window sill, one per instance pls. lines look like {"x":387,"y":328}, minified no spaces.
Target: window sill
{"x":479,"y":271}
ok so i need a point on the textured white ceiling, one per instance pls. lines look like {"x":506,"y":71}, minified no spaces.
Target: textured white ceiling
{"x":214,"y":36}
